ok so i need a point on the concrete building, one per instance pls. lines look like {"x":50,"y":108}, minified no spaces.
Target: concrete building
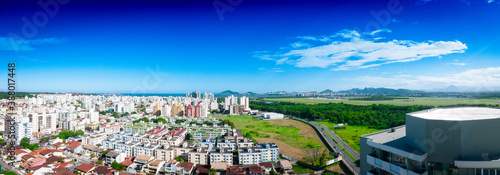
{"x":189,"y":110}
{"x":23,"y":128}
{"x":164,"y":152}
{"x":452,"y":141}
{"x":221,"y":155}
{"x":199,"y":156}
{"x":93,"y":138}
{"x":270,"y":116}
{"x":196,"y":94}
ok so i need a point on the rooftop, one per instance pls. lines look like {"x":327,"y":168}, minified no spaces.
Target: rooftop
{"x":458,"y":113}
{"x":393,"y":138}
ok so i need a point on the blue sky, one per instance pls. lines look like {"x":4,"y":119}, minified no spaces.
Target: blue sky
{"x":259,"y":46}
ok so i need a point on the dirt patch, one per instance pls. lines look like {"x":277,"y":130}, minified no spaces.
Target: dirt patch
{"x":337,"y":169}
{"x":305,"y":129}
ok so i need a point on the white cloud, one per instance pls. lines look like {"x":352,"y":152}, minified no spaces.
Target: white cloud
{"x":349,"y":49}
{"x":457,"y":64}
{"x":15,"y":44}
{"x":486,"y":78}
{"x":490,"y":1}
{"x":299,"y":44}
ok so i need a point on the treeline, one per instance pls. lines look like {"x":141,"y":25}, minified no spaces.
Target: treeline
{"x":378,"y":98}
{"x":5,"y":95}
{"x":378,"y":116}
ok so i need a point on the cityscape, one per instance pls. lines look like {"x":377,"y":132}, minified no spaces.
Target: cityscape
{"x":250,"y":87}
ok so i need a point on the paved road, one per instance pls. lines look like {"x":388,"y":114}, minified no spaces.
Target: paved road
{"x":341,"y":142}
{"x":7,"y":167}
{"x":345,"y":158}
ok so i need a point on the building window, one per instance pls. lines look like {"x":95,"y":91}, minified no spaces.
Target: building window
{"x":398,"y":160}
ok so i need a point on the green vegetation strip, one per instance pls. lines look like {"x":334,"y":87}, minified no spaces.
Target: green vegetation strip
{"x":394,"y":101}
{"x":286,"y":134}
{"x":300,"y":169}
{"x":340,"y":146}
{"x":351,"y":134}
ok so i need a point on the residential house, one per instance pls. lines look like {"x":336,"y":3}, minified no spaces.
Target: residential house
{"x":184,"y":168}
{"x":86,"y":169}
{"x":112,"y":156}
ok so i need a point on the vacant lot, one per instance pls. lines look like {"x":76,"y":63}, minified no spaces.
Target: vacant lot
{"x":291,"y":136}
{"x":288,"y":134}
{"x":410,"y":101}
{"x":351,"y":134}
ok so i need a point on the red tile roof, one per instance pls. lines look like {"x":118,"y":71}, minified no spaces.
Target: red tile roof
{"x":40,"y":150}
{"x":18,"y":151}
{"x":85,"y":167}
{"x":62,"y":171}
{"x":46,"y":152}
{"x":266,"y":164}
{"x":104,"y":170}
{"x":63,"y":164}
{"x":186,"y":165}
{"x":127,"y":162}
{"x":74,"y":145}
{"x":26,"y":157}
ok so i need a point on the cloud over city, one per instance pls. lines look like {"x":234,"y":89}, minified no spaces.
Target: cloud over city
{"x":349,"y":49}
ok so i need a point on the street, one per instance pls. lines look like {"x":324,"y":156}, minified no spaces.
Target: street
{"x":350,"y":164}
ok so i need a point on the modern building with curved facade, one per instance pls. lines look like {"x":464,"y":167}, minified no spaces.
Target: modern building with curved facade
{"x":439,"y":141}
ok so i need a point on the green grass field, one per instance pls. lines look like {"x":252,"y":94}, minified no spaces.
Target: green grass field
{"x":299,"y":169}
{"x":410,"y":101}
{"x":351,"y":134}
{"x":286,"y":134}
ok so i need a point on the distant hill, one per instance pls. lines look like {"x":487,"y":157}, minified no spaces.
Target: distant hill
{"x":327,"y":91}
{"x":228,"y":93}
{"x":380,"y":91}
{"x":249,"y":93}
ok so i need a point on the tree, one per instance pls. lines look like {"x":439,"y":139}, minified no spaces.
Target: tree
{"x":2,"y":142}
{"x":79,"y":132}
{"x":179,"y":159}
{"x":99,"y":162}
{"x":103,"y":153}
{"x":212,"y":172}
{"x":313,"y":156}
{"x":189,"y":136}
{"x":108,"y":120}
{"x":161,"y":120}
{"x":25,"y":142}
{"x":33,"y":147}
{"x":117,"y":166}
{"x":115,"y":115}
{"x":272,"y":172}
{"x":323,"y":158}
{"x":10,"y":173}
{"x":77,"y":116}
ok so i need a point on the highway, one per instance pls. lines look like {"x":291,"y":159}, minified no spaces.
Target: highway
{"x":350,"y":164}
{"x":340,"y":141}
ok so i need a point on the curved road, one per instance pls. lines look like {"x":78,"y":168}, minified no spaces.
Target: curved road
{"x":345,"y":158}
{"x":340,"y":141}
